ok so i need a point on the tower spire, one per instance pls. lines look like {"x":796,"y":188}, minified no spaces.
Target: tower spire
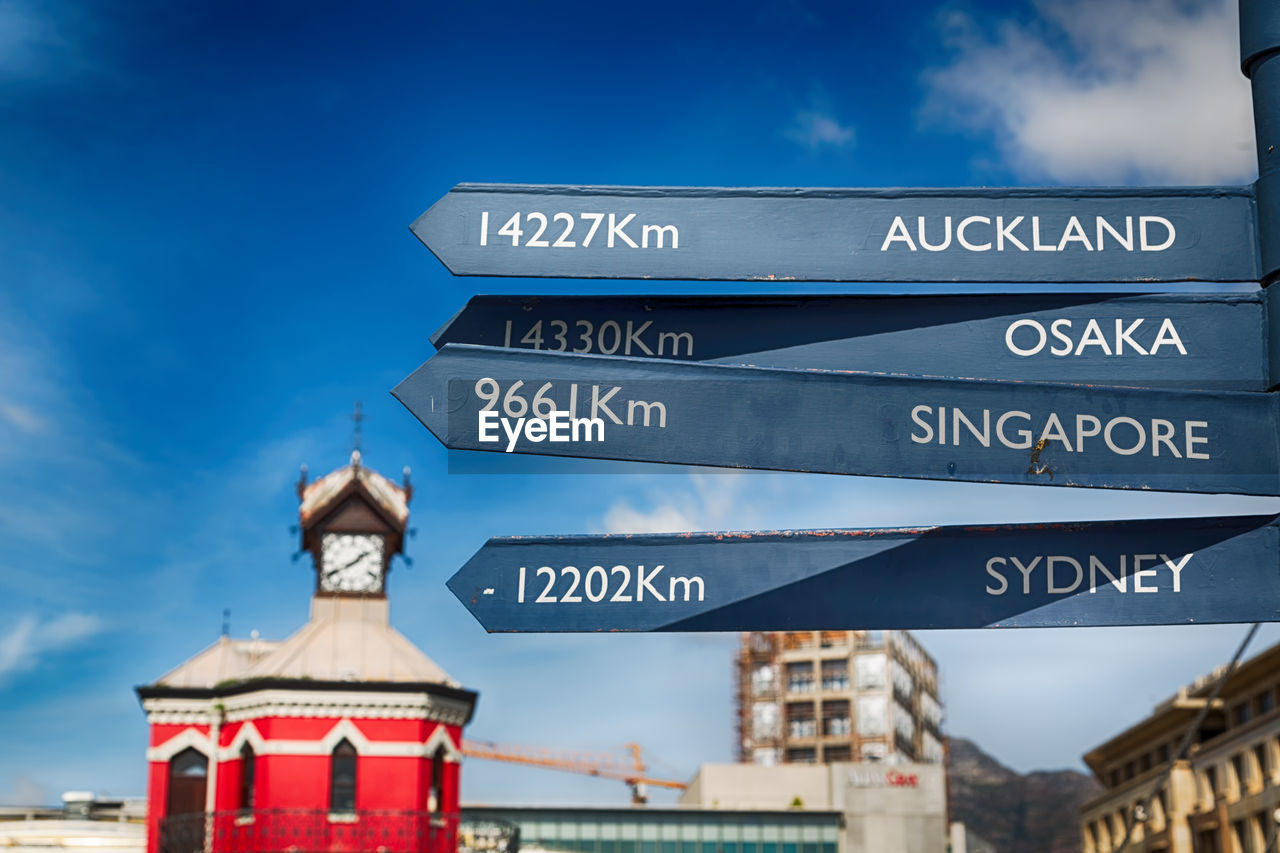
{"x":358,"y":417}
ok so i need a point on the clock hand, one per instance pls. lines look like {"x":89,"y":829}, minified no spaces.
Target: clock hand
{"x":340,"y":569}
{"x":357,"y":559}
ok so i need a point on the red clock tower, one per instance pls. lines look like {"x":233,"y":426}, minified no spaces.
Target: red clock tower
{"x":342,"y":737}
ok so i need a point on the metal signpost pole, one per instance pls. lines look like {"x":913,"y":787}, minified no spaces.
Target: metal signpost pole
{"x":1259,"y":46}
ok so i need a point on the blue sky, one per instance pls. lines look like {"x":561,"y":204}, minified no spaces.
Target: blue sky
{"x":204,"y":261}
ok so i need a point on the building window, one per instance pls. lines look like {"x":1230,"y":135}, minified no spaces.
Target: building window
{"x":800,"y":677}
{"x":837,"y":753}
{"x":1162,"y":753}
{"x":1145,"y":763}
{"x":437,"y":780}
{"x":803,"y":755}
{"x":1240,"y":834}
{"x":1242,"y":777}
{"x":342,"y":777}
{"x":833,"y":639}
{"x":800,"y":720}
{"x":1128,"y":770}
{"x":793,"y":640}
{"x":247,"y":772}
{"x":188,"y":775}
{"x":835,"y":675}
{"x":1260,"y":756}
{"x":835,"y":718}
{"x":1240,"y":714}
{"x":931,"y":748}
{"x":1211,"y":784}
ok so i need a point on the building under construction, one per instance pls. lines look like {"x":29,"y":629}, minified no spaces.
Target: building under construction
{"x":827,"y":696}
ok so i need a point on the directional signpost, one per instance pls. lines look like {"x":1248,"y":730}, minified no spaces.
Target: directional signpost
{"x":1209,"y":341}
{"x":1151,"y":572}
{"x":890,"y":235}
{"x":1155,"y":391}
{"x":844,"y":423}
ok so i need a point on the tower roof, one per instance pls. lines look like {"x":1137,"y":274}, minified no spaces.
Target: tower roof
{"x":226,"y":660}
{"x":350,"y":639}
{"x":346,"y":639}
{"x":321,"y":495}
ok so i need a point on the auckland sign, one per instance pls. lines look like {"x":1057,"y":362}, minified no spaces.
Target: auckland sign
{"x":864,"y":235}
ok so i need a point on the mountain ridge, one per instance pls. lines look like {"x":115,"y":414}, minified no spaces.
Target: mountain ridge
{"x":1036,"y":812}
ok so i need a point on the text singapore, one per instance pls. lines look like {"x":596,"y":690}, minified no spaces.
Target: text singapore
{"x":1018,"y":430}
{"x":1027,"y":234}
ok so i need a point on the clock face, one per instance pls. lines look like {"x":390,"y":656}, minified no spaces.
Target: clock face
{"x":351,"y":562}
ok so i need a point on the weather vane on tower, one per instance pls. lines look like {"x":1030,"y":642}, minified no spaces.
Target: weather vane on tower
{"x":358,"y":417}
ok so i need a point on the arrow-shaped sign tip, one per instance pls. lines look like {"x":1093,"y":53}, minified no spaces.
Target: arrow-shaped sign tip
{"x":426,"y":396}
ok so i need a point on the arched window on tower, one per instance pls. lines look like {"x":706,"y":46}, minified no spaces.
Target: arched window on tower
{"x":436,"y":802}
{"x":342,"y":777}
{"x":188,"y":773}
{"x":248,"y":772}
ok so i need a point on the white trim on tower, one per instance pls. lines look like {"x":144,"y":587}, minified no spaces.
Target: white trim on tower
{"x":325,"y":745}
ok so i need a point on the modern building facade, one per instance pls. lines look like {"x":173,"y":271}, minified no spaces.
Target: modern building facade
{"x":884,"y":808}
{"x":1221,"y":798}
{"x":342,"y":737}
{"x":666,"y":830}
{"x":105,"y":825}
{"x":807,"y":697}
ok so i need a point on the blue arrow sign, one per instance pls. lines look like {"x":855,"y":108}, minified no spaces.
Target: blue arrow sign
{"x":1211,"y":341}
{"x":1150,"y":572}
{"x":483,"y":398}
{"x":889,"y":235}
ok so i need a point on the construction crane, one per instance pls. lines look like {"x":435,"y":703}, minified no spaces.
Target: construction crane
{"x":603,"y":764}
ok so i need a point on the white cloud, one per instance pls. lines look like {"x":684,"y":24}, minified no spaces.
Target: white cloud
{"x":1104,"y":91}
{"x":22,"y":417}
{"x":703,"y":501}
{"x":814,"y":130}
{"x":30,"y":638}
